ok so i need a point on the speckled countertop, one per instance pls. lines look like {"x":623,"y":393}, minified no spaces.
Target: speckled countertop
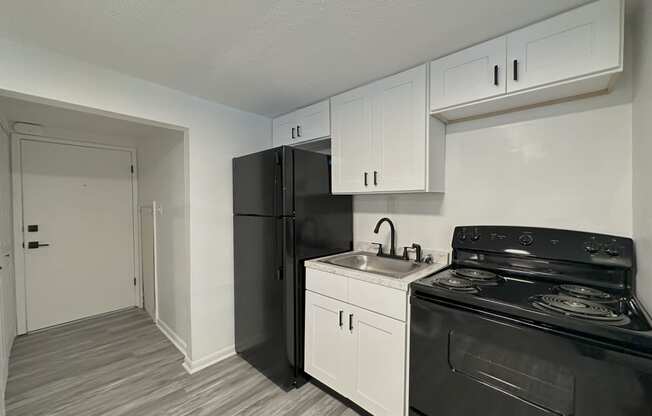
{"x":440,"y":261}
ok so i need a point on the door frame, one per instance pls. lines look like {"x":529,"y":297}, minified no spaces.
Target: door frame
{"x":17,"y":197}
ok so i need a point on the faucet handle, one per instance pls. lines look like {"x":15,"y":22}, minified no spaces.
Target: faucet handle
{"x":380,"y":248}
{"x":417,"y":248}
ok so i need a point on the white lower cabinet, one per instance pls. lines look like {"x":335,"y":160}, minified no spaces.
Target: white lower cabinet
{"x":326,"y":342}
{"x":378,"y":370}
{"x":356,"y":352}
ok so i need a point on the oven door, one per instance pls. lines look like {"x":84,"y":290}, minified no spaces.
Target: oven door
{"x":464,"y":362}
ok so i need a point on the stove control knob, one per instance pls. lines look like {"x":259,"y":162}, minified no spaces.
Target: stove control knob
{"x":591,"y":248}
{"x":462,"y":236}
{"x":612,"y":251}
{"x":526,"y":239}
{"x":475,"y":237}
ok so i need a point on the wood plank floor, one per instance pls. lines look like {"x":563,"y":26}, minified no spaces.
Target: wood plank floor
{"x":121,"y":364}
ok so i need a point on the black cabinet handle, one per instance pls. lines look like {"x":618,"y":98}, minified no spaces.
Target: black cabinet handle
{"x":341,"y":319}
{"x":496,"y":75}
{"x":515,"y":69}
{"x":375,"y":178}
{"x":293,"y":132}
{"x":350,"y":322}
{"x":298,"y":131}
{"x":279,"y":274}
{"x":35,"y":244}
{"x":365,"y":179}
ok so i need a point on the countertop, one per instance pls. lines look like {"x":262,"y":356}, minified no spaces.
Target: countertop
{"x":440,"y":258}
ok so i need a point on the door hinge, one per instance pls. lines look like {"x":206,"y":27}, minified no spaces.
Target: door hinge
{"x":134,"y":281}
{"x":132,"y":168}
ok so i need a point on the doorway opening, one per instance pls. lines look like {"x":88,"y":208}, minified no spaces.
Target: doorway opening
{"x":100,"y":216}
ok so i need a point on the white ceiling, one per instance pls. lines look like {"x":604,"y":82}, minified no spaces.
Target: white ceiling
{"x":80,"y":124}
{"x":264,"y":56}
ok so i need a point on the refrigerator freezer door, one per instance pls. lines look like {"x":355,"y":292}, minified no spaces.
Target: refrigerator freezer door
{"x":262,"y":183}
{"x":261,"y":326}
{"x":256,"y":186}
{"x":324,"y":222}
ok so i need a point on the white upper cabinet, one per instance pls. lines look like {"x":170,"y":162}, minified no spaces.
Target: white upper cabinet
{"x":399,"y":129}
{"x":472,"y":74}
{"x":309,"y":123}
{"x":351,"y":141}
{"x":284,"y":129}
{"x":578,"y":43}
{"x":314,"y":122}
{"x":570,"y":55}
{"x":383,"y":139}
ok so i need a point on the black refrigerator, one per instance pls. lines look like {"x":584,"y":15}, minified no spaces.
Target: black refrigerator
{"x":283,"y":214}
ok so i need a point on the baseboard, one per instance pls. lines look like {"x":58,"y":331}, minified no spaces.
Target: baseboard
{"x":193,"y":366}
{"x":173,"y":337}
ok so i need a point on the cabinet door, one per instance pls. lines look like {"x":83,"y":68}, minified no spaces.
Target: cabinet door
{"x":326,"y":342}
{"x":378,"y":373}
{"x":578,"y":43}
{"x":284,"y":129}
{"x":351,"y":141}
{"x":399,"y":117}
{"x":314,"y":122}
{"x":472,"y":74}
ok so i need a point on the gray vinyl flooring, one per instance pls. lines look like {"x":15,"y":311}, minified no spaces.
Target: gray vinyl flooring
{"x":121,"y":364}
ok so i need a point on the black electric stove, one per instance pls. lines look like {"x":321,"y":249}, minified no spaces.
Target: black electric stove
{"x":531,"y":321}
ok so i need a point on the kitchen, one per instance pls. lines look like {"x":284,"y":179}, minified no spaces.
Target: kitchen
{"x":566,"y":152}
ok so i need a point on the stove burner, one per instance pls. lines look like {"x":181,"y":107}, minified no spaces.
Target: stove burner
{"x":475,"y":274}
{"x":579,"y":308}
{"x":482,"y":277}
{"x":585,"y":292}
{"x":458,"y":284}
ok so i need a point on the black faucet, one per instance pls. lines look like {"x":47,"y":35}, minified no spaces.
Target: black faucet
{"x":392,"y":249}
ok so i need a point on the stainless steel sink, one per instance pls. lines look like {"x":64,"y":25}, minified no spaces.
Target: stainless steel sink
{"x":370,"y":263}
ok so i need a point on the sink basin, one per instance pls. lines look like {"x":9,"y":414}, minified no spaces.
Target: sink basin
{"x":370,"y":263}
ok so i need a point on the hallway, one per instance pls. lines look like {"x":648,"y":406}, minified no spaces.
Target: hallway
{"x":120,"y":364}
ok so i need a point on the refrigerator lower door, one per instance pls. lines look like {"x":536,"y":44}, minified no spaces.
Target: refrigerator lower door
{"x":261,"y":324}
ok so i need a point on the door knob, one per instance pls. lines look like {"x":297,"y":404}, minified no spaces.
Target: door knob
{"x":35,"y":244}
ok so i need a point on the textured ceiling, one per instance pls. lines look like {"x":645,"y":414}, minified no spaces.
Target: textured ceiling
{"x":264,"y":56}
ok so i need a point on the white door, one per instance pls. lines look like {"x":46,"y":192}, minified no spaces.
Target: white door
{"x":351,"y":141}
{"x":577,"y":43}
{"x":472,"y":74}
{"x":80,"y":198}
{"x":326,"y":342}
{"x":399,"y":117}
{"x":314,"y":121}
{"x":378,"y":373}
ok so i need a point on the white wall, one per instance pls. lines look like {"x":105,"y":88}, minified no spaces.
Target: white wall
{"x":162,"y":179}
{"x":7,"y":282}
{"x":642,"y":145}
{"x":216,"y":133}
{"x":570,"y":171}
